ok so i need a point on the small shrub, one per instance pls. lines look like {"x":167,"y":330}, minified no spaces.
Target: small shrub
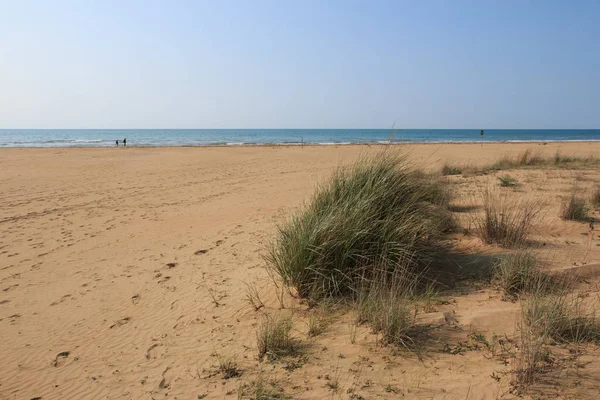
{"x":451,"y":170}
{"x":386,"y":304}
{"x":261,"y":389}
{"x":506,"y":222}
{"x":274,"y":337}
{"x":559,"y":318}
{"x":229,"y":368}
{"x":507,"y":181}
{"x":574,"y":209}
{"x":253,"y":297}
{"x":316,"y":325}
{"x":377,"y":211}
{"x":519,"y":273}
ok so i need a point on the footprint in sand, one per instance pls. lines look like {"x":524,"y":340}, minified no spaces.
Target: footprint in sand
{"x":154,"y":352}
{"x":120,"y":322}
{"x":62,"y":299}
{"x":60,"y":358}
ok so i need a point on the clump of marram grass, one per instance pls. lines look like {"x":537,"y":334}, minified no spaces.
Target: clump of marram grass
{"x":261,"y":388}
{"x":525,"y":159}
{"x":506,"y":221}
{"x":448,"y":169}
{"x":508,"y":181}
{"x":376,"y":211}
{"x":519,"y":273}
{"x":574,"y":209}
{"x":386,"y":303}
{"x":559,"y":317}
{"x":228,"y":367}
{"x":274,"y":337}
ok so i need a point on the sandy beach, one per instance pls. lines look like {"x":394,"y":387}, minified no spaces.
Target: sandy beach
{"x":124,"y":273}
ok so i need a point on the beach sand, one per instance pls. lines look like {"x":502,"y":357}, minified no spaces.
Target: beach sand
{"x":124,"y":274}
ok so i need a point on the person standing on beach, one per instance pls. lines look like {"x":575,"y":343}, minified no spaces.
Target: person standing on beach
{"x":125,"y":142}
{"x":117,"y":142}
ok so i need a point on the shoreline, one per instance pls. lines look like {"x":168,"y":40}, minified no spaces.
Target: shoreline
{"x":312,"y":144}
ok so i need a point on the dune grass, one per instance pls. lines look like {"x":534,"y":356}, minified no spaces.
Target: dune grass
{"x":261,"y":388}
{"x":508,"y":181}
{"x":376,"y":212}
{"x":274,"y":338}
{"x":505,"y":221}
{"x":387,"y":304}
{"x":448,"y":169}
{"x":517,"y":273}
{"x":561,"y":318}
{"x":523,"y":161}
{"x":575,"y":209}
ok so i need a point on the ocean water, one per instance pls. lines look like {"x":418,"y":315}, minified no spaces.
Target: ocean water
{"x":231,"y":137}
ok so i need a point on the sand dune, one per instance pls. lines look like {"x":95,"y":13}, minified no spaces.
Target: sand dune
{"x":123,"y":273}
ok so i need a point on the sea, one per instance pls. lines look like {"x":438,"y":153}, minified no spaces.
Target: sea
{"x":236,"y":137}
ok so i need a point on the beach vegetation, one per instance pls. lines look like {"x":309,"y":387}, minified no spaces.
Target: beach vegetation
{"x":546,"y":319}
{"x":504,"y":221}
{"x":274,"y":337}
{"x":377,"y":213}
{"x":507,"y":181}
{"x":574,"y":209}
{"x":448,"y":169}
{"x":519,"y":273}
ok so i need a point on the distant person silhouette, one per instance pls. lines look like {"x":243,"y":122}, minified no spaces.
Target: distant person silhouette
{"x":117,"y":142}
{"x":125,"y":142}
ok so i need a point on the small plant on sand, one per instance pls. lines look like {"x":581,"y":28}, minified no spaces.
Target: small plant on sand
{"x":595,"y":199}
{"x":519,"y":273}
{"x":377,"y":211}
{"x":316,"y":324}
{"x":508,"y":181}
{"x":448,"y":169}
{"x":386,"y":304}
{"x":274,"y":337}
{"x":574,"y":209}
{"x":229,"y":368}
{"x":546,"y":319}
{"x":505,"y":221}
{"x":261,"y":389}
{"x":253,"y":297}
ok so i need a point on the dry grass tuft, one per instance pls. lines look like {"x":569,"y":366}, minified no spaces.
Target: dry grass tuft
{"x":261,"y":389}
{"x":547,"y":319}
{"x":505,"y":221}
{"x":229,"y":368}
{"x":574,"y":209}
{"x":448,"y":169}
{"x":274,"y":338}
{"x":519,"y":273}
{"x":508,"y":181}
{"x":387,"y":304}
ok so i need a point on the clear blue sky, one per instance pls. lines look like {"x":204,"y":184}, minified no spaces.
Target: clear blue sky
{"x":301,"y":64}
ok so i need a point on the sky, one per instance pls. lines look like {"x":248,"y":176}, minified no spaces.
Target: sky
{"x":300,"y":64}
